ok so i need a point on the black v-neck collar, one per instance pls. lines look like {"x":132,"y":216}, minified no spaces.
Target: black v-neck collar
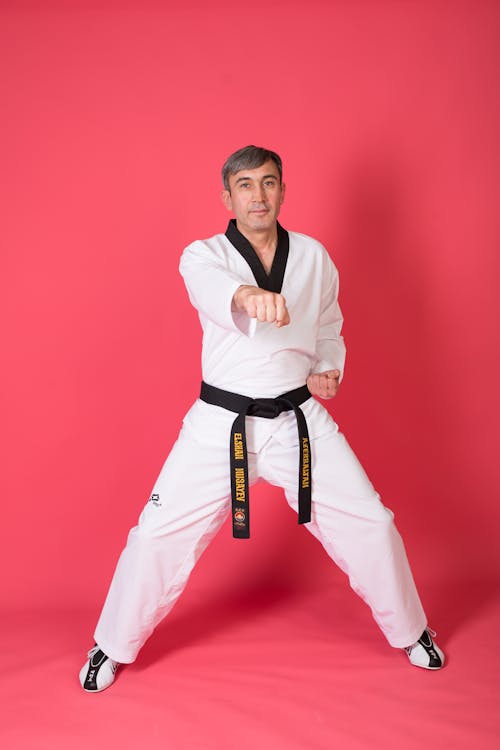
{"x":274,"y":281}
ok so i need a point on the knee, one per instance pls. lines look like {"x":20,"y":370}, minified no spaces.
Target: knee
{"x":388,"y":516}
{"x":143,"y":534}
{"x":385,"y":521}
{"x":376,"y":512}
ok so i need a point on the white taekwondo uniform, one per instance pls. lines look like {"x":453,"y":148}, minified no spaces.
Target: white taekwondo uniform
{"x":191,"y":497}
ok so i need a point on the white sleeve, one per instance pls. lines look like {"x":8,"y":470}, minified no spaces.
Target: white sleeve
{"x":330,"y":347}
{"x":211,"y":287}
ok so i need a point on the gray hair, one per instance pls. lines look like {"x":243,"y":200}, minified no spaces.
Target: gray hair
{"x":249,"y":157}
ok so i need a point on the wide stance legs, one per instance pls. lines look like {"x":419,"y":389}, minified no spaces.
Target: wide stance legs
{"x":190,"y":501}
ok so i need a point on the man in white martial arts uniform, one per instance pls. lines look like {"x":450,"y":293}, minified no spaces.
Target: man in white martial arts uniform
{"x":267,"y":302}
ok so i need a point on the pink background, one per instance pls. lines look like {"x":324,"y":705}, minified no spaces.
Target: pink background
{"x":116,"y":118}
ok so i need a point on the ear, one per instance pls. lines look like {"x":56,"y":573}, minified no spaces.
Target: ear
{"x":226,"y":199}
{"x":283,"y":189}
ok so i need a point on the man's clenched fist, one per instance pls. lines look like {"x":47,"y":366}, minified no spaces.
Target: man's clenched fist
{"x":265,"y":306}
{"x":324,"y":384}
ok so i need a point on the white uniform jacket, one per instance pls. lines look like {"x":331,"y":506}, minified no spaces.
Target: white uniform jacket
{"x":258,"y":359}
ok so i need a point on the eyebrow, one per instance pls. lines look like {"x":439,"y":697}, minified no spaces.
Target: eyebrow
{"x":249,"y":179}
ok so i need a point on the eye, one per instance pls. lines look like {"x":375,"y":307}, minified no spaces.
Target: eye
{"x":270,"y":183}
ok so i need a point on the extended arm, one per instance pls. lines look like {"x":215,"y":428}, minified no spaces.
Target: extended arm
{"x":211,"y":287}
{"x":262,"y":305}
{"x":223,"y":297}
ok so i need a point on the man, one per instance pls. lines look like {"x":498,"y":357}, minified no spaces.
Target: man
{"x":267,"y":301}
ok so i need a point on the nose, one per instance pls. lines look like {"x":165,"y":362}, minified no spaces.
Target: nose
{"x":259,"y":194}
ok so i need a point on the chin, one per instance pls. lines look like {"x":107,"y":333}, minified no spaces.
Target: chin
{"x":266,"y":222}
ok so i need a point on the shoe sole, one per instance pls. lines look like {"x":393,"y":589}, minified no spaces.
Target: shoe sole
{"x":431,"y":669}
{"x":98,"y":690}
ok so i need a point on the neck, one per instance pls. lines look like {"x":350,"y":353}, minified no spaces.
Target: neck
{"x":264,"y":242}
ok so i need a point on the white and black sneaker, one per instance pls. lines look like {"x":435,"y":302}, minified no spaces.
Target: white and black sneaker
{"x":98,"y":672}
{"x":425,"y":653}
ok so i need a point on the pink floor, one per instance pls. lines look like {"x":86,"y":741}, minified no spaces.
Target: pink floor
{"x":254,"y":668}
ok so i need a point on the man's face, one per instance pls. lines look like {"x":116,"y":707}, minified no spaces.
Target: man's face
{"x":255,"y":197}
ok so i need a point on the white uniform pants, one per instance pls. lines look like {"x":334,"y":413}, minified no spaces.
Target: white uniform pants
{"x":191,"y":500}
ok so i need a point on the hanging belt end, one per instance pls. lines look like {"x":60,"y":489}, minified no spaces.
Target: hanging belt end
{"x":241,"y":533}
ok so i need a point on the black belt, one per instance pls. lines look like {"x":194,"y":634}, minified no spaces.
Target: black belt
{"x":269,"y":408}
